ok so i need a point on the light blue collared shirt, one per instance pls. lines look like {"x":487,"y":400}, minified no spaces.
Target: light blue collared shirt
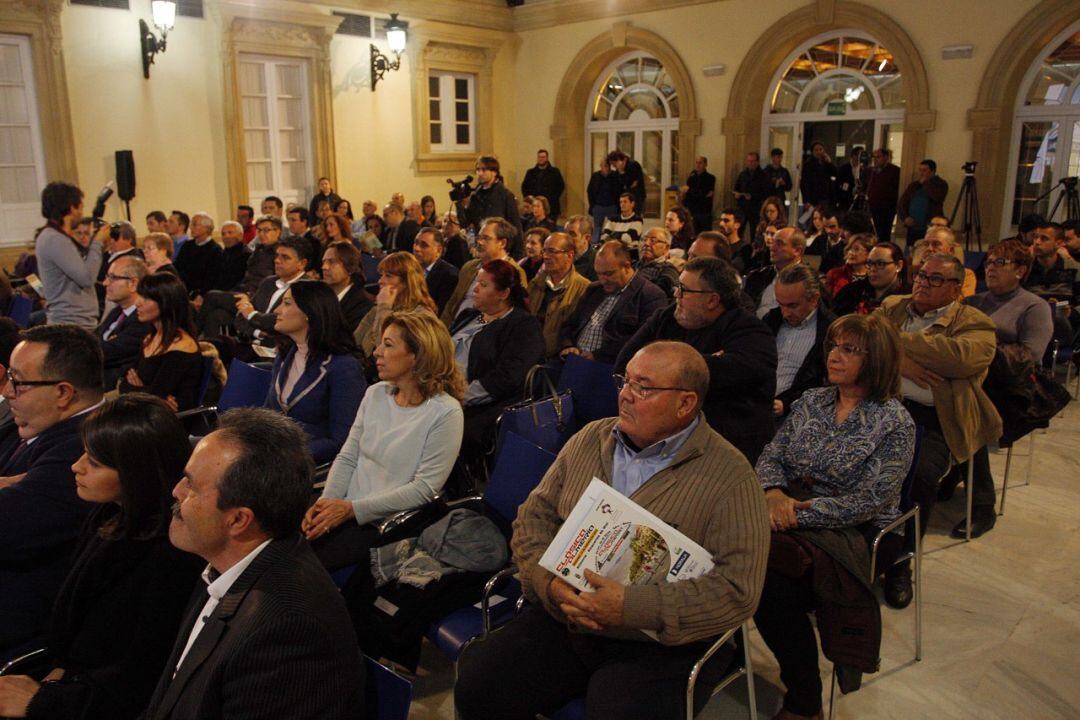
{"x":631,"y":469}
{"x":793,"y":344}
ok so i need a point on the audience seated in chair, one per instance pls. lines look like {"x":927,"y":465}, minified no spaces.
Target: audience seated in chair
{"x":197,"y":262}
{"x":492,"y":242}
{"x":533,"y":260}
{"x":318,"y":380}
{"x":233,"y":263}
{"x":947,"y":349}
{"x":9,"y":431}
{"x":269,"y":636}
{"x":170,"y":364}
{"x":157,"y":250}
{"x":401,"y":288}
{"x":591,"y":644}
{"x":119,"y":609}
{"x":854,"y":267}
{"x":786,"y":248}
{"x":121,"y":332}
{"x":738,"y":349}
{"x":496,"y":342}
{"x":612,"y":308}
{"x":799,"y":323}
{"x":832,"y":478}
{"x":556,"y":289}
{"x":402,"y":444}
{"x":441,"y":276}
{"x":656,"y":264}
{"x":886,"y":274}
{"x":580,"y":230}
{"x":342,"y":272}
{"x":52,"y":381}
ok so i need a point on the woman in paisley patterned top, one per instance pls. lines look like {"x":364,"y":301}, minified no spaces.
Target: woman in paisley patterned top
{"x":838,"y":462}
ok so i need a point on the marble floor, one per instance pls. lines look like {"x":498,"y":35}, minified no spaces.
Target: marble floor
{"x":1001,"y":614}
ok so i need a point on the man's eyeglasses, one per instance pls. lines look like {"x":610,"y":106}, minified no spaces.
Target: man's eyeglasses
{"x":846,"y":349}
{"x":553,"y":251}
{"x":879,"y":263}
{"x":642,"y":392}
{"x":1000,"y":262}
{"x":934,"y":281}
{"x":16,"y":384}
{"x":683,"y":290}
{"x":116,"y":278}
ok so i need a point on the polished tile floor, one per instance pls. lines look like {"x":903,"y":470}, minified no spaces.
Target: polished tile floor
{"x":1001,"y":615}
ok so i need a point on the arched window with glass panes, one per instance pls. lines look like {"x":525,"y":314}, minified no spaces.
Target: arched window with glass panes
{"x":1046,"y":133}
{"x":635,"y":109}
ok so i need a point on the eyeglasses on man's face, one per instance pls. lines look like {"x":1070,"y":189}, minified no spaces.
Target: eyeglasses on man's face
{"x":17,"y":386}
{"x":642,"y":392}
{"x":684,"y":290}
{"x":116,"y":278}
{"x":879,"y":264}
{"x":934,"y":281}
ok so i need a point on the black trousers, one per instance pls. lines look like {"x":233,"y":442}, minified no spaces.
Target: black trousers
{"x":983,"y":494}
{"x":347,"y":544}
{"x":932,"y":463}
{"x":217,"y":313}
{"x":883,"y":223}
{"x":783,"y":621}
{"x":534,"y":664}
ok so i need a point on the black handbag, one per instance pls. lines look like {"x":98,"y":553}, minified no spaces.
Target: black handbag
{"x":545,"y":421}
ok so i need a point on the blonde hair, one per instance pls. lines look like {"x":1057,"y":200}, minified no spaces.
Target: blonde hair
{"x":162,"y":241}
{"x":428,"y":339}
{"x":405,"y":266}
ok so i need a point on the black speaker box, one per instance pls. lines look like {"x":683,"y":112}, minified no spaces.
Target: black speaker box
{"x":125,"y":174}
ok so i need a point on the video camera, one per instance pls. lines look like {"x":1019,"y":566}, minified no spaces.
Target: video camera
{"x":99,"y":205}
{"x":969,"y":167}
{"x":460,"y":189}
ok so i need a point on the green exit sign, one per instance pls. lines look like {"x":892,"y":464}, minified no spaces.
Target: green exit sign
{"x":836,"y":107}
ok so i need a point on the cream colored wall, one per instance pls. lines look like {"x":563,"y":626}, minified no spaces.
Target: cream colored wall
{"x":172,"y":122}
{"x":723,"y":32}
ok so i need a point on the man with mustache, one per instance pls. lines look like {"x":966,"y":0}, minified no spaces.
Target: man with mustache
{"x":663,"y":455}
{"x":269,"y":635}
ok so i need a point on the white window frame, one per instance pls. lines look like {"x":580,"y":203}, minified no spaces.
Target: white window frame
{"x":448,"y":121}
{"x":288,"y":195}
{"x":1065,"y":115}
{"x":19,"y":219}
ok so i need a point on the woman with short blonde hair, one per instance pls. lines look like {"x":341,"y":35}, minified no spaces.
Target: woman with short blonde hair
{"x":402,"y":286}
{"x":158,"y":250}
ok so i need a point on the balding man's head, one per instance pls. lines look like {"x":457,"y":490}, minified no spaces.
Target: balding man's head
{"x":665,"y":387}
{"x":613,"y":265}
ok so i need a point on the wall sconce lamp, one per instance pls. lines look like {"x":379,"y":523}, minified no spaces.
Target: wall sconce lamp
{"x":164,"y":12}
{"x":395,"y":38}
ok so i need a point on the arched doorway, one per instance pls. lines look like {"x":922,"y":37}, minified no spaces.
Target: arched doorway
{"x":578,"y":91}
{"x":841,"y":88}
{"x":635,"y":109}
{"x":1046,"y":132}
{"x":773,"y":52}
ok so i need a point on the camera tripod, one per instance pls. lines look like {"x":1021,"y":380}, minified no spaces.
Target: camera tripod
{"x":1068,"y":194}
{"x":969,"y":197}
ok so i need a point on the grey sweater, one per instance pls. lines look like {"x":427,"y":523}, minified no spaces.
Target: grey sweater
{"x":1020,"y":316}
{"x":68,"y":278}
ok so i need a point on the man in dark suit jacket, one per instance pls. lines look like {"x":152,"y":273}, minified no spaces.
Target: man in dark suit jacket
{"x":341,"y":271}
{"x":121,"y":332}
{"x":54,"y":379}
{"x":400,"y":230}
{"x":800,"y":323}
{"x":269,"y":635}
{"x":738,"y":348}
{"x":612,"y":309}
{"x":255,"y":316}
{"x":441,"y":276}
{"x":197,"y":261}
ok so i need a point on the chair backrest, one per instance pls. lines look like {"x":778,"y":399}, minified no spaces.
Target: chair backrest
{"x":592,"y":387}
{"x":906,"y":500}
{"x":973,"y":259}
{"x":388,"y":693}
{"x":247,"y":386}
{"x":20,"y":308}
{"x":519,"y":467}
{"x":207,"y":375}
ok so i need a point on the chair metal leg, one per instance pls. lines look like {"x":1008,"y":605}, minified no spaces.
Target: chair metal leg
{"x":751,"y":695}
{"x":970,"y":495}
{"x":918,"y":586}
{"x":832,"y":694}
{"x":1031,"y":458}
{"x":1005,"y":483}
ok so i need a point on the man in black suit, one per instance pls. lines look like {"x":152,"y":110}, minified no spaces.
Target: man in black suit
{"x":441,"y":276}
{"x":121,"y":333}
{"x":54,"y":379}
{"x":269,"y":635}
{"x":197,"y":261}
{"x":341,"y":271}
{"x":121,"y":242}
{"x":799,"y":322}
{"x":612,"y":309}
{"x":738,"y":348}
{"x":400,"y":230}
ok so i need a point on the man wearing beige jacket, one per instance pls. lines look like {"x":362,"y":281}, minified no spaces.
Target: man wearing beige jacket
{"x":662,"y":454}
{"x":948,"y":347}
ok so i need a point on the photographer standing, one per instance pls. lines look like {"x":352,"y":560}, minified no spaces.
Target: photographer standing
{"x":68,"y":267}
{"x":491,"y":199}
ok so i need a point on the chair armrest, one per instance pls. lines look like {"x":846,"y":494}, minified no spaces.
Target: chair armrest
{"x":409,"y":523}
{"x":201,"y":410}
{"x":489,"y":588}
{"x":318,"y":478}
{"x":24,"y":659}
{"x":472,"y":502}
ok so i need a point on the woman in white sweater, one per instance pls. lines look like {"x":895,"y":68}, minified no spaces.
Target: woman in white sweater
{"x":402,"y":445}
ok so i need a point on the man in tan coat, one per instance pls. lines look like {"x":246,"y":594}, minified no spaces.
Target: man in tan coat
{"x":556,"y":290}
{"x":948,"y":347}
{"x":492,"y":241}
{"x":662,"y":454}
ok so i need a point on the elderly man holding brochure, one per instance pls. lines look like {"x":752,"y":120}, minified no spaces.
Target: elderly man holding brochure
{"x":567,"y":644}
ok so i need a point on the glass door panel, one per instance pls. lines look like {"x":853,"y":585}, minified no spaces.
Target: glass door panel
{"x":652,"y":162}
{"x":1035,"y":167}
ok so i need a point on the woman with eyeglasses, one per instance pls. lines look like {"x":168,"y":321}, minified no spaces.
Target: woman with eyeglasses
{"x":116,"y":616}
{"x":854,"y":268}
{"x":884,"y":277}
{"x":1020,"y":318}
{"x":832,"y":478}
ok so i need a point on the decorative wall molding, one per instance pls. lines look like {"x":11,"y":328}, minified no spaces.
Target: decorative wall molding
{"x":539,"y":14}
{"x":40,"y":21}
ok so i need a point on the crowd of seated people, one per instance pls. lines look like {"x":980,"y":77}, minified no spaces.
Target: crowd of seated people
{"x":730,"y":347}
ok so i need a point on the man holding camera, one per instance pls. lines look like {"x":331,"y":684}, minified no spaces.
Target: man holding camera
{"x":491,"y":198}
{"x":68,"y":267}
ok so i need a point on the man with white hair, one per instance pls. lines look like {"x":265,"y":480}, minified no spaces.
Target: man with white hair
{"x":655,"y":264}
{"x":198,"y":259}
{"x":234,"y":258}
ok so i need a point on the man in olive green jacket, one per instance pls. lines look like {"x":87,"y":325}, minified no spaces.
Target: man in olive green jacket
{"x":556,"y":290}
